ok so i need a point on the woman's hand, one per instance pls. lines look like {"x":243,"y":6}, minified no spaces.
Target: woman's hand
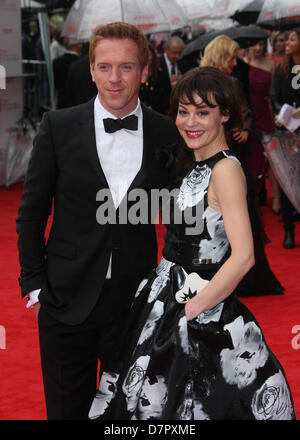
{"x":191,"y":309}
{"x":278,"y":124}
{"x":296,"y":113}
{"x":240,"y":136}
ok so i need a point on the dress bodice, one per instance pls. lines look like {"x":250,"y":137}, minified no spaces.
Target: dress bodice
{"x":195,"y":230}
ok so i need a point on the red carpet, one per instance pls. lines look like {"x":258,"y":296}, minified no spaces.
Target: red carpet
{"x":21,"y":390}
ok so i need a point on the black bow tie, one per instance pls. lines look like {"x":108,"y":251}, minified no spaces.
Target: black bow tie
{"x":112,"y":125}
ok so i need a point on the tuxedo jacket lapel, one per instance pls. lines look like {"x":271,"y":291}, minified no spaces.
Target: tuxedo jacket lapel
{"x":88,"y":139}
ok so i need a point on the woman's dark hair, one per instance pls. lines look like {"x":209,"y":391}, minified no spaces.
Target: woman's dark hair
{"x":215,"y":88}
{"x":287,"y":62}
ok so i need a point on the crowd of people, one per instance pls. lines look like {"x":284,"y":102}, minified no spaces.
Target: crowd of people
{"x":174,"y":341}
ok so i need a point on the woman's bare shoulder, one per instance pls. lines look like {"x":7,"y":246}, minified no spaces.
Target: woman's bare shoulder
{"x":227,"y":171}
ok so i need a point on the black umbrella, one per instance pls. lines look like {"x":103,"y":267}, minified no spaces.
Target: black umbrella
{"x":249,"y":14}
{"x":281,"y":24}
{"x":245,"y":36}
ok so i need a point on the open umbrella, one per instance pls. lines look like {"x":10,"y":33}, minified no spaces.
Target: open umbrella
{"x":245,"y":36}
{"x":280,"y":14}
{"x":215,"y":24}
{"x":206,"y":15}
{"x":199,"y":10}
{"x":150,"y":16}
{"x":226,"y":8}
{"x":196,"y":10}
{"x":283,"y":152}
{"x":248,"y":14}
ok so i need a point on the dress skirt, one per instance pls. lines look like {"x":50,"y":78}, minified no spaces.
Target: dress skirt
{"x":216,"y":366}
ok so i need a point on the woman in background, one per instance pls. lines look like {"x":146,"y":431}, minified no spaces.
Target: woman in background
{"x":285,"y":90}
{"x":222,"y":53}
{"x":260,"y":81}
{"x":278,"y":42}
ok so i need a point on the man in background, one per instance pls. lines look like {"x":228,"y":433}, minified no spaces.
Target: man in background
{"x":169,"y":59}
{"x":61,"y":66}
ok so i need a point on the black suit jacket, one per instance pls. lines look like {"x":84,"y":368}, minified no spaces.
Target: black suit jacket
{"x":155,"y":93}
{"x":65,"y":171}
{"x":163,"y":66}
{"x":61,"y":66}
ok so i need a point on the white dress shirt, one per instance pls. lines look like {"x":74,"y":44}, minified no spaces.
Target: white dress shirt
{"x":120,"y":155}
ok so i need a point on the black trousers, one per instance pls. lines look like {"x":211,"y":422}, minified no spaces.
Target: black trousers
{"x":69,"y":357}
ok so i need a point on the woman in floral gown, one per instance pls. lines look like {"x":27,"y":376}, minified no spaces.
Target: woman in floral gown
{"x":192,"y":350}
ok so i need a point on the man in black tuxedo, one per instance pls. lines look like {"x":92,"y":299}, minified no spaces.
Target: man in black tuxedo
{"x":169,"y":59}
{"x":81,"y":283}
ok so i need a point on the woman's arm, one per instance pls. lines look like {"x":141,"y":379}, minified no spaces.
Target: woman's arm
{"x":227,"y":192}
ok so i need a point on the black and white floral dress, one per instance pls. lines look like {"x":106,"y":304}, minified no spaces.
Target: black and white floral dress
{"x":216,"y":366}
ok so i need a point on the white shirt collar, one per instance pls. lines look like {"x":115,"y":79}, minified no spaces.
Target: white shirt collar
{"x":72,"y":52}
{"x":169,"y":63}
